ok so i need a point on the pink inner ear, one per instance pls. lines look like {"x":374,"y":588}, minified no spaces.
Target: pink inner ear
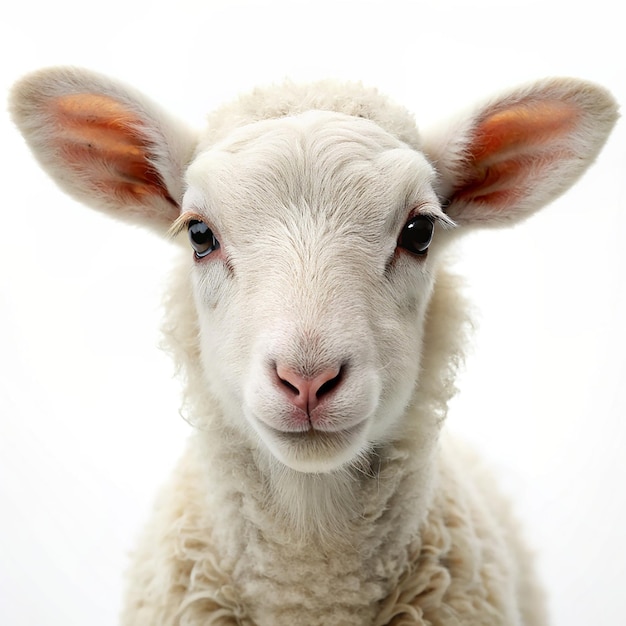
{"x":521,"y":129}
{"x":103,"y":140}
{"x":512,"y":148}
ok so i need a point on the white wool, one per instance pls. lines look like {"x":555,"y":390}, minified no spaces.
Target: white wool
{"x":318,"y":342}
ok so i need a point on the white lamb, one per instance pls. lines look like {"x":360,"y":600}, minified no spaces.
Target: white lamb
{"x":319,"y":336}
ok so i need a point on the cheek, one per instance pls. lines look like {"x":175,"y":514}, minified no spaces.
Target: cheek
{"x":224,"y":330}
{"x":213,"y":285}
{"x":399,"y":332}
{"x":399,"y":347}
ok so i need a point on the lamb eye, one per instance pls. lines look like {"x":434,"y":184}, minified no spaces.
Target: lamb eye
{"x":417,"y":234}
{"x":202,"y":239}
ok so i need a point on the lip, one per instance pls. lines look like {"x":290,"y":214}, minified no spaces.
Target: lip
{"x":313,"y":441}
{"x":315,"y":434}
{"x":312,"y":450}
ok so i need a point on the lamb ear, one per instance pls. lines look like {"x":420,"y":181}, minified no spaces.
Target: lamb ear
{"x":104,"y":143}
{"x":520,"y":151}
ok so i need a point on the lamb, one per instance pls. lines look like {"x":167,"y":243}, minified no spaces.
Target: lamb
{"x":318,"y":334}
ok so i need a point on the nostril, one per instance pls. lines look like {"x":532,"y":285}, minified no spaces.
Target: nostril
{"x":329,"y":385}
{"x":295,"y":386}
{"x":304,"y":392}
{"x":291,"y":387}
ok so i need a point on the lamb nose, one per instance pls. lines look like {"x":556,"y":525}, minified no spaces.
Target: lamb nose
{"x":307,"y":393}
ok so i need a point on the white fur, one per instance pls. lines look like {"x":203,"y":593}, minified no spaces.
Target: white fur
{"x":360,"y":512}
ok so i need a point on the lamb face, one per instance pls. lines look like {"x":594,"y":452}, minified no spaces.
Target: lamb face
{"x":311,"y":314}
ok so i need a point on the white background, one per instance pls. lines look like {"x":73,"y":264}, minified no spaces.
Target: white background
{"x":88,"y":407}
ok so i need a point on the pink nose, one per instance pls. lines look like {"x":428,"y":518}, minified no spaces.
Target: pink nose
{"x":307,"y":393}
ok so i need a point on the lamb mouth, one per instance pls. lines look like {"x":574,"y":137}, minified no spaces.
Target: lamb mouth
{"x":312,"y":450}
{"x":314,"y":437}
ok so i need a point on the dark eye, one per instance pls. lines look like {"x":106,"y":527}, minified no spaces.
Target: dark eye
{"x":417,"y":234}
{"x":202,"y":239}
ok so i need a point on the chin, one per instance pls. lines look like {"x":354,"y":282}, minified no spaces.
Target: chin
{"x":315,"y":451}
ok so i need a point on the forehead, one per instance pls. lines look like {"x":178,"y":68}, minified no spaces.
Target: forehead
{"x":318,"y":157}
